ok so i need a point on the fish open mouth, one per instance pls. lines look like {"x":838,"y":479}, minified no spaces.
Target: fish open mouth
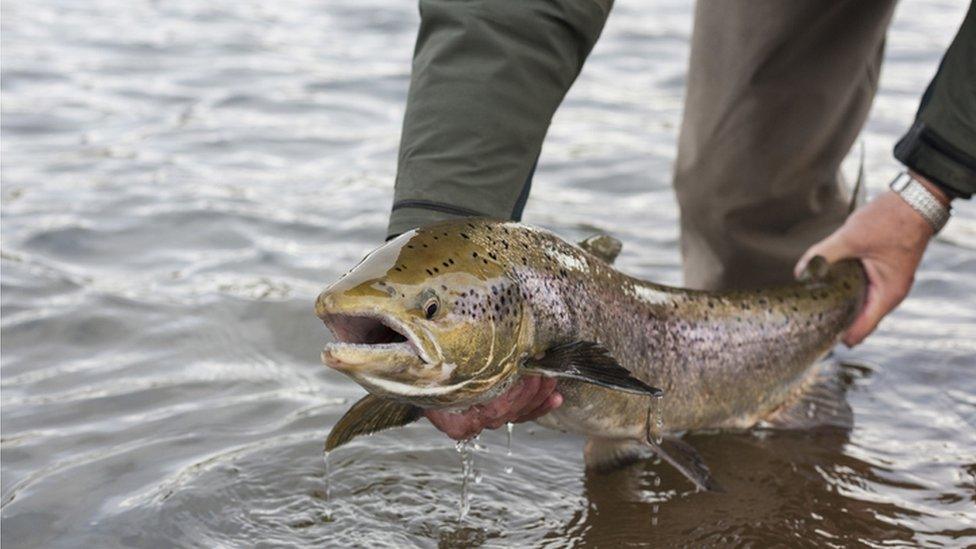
{"x":364,"y":339}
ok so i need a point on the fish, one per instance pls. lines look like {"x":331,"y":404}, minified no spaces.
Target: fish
{"x":452,"y":314}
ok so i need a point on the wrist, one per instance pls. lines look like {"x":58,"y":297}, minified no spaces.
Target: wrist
{"x":936,"y":190}
{"x":928,"y":201}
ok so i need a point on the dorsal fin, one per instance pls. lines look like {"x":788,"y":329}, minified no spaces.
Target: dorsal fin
{"x":603,"y":246}
{"x":816,"y":270}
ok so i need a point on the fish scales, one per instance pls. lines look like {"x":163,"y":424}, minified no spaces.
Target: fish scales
{"x":723,"y":358}
{"x":450,"y":315}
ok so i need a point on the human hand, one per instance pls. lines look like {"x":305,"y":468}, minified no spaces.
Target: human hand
{"x":530,"y":397}
{"x":889,"y":237}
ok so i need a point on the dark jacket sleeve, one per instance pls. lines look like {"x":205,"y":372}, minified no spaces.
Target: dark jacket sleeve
{"x":941,"y":144}
{"x":487,"y":77}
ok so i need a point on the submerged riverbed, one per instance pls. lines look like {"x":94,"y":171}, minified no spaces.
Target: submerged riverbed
{"x":180,"y":179}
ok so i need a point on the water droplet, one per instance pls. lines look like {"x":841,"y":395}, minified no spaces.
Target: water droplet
{"x":657,"y":482}
{"x":659,"y":420}
{"x":508,"y":455}
{"x":328,"y":487}
{"x":655,"y":420}
{"x":467,"y":463}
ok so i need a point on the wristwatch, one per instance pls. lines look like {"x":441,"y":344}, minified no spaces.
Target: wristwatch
{"x":921,"y":200}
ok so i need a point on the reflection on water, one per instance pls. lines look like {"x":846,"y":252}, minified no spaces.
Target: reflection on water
{"x":180,"y":179}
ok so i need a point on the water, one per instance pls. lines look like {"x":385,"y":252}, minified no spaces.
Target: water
{"x":508,"y":453}
{"x":655,"y":419}
{"x":328,"y":476}
{"x":465,"y":452}
{"x":180,"y":179}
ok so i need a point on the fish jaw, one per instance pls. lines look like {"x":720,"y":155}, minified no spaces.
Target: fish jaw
{"x":384,"y":354}
{"x":367,"y":340}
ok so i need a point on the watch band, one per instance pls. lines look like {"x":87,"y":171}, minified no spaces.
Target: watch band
{"x":921,"y":200}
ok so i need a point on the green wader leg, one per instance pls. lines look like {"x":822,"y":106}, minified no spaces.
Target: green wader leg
{"x":487,"y":78}
{"x":777,"y":93}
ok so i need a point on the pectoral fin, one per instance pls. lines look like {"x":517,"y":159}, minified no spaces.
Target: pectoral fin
{"x":603,"y":455}
{"x":603,"y":246}
{"x":589,"y":362}
{"x":369,"y":415}
{"x":687,"y":461}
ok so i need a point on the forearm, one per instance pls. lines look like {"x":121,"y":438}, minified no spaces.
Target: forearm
{"x":487,"y":78}
{"x":941,"y":145}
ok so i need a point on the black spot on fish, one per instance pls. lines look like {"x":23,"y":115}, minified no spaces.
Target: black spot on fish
{"x":464,"y":236}
{"x":474,"y":254}
{"x":445,"y":264}
{"x":429,"y":272}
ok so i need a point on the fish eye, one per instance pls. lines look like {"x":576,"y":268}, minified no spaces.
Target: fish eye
{"x":430,"y":308}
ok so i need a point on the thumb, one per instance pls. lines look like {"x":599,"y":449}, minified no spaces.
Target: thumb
{"x":833,"y":249}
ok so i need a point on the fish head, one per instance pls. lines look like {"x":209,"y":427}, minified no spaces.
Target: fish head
{"x":430,"y":318}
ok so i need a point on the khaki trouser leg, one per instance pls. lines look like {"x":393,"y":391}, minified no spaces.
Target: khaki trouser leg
{"x":777,"y":93}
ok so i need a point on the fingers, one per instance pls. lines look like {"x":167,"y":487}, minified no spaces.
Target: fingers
{"x":553,"y":401}
{"x":459,"y":426}
{"x":530,"y":396}
{"x":534,"y":403}
{"x":833,"y":249}
{"x":546,"y":387}
{"x":507,"y":407}
{"x":884,"y":294}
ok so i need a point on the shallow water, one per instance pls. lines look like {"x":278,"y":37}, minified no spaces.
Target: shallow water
{"x":180,"y":179}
